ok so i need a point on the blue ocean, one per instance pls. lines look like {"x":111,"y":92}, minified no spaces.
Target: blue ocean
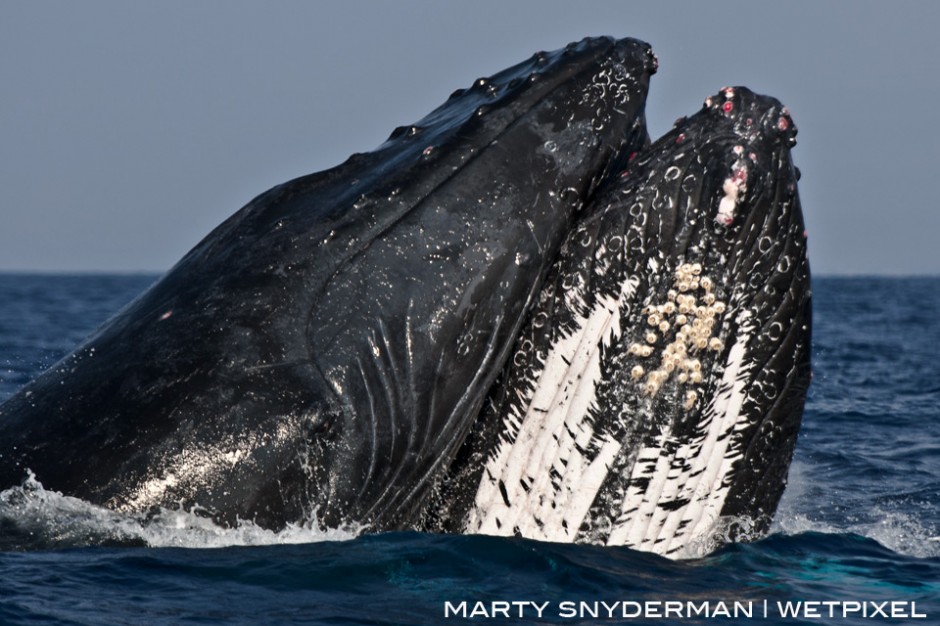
{"x":856,"y":539}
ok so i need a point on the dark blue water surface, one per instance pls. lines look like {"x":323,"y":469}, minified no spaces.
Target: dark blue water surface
{"x":859,"y":524}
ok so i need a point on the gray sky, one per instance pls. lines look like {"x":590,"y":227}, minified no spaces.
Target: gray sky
{"x":128,"y":130}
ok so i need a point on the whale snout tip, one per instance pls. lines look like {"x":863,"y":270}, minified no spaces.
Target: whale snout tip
{"x":640,"y":52}
{"x":627,"y":50}
{"x":756,"y":117}
{"x":781,"y":120}
{"x":652,"y":61}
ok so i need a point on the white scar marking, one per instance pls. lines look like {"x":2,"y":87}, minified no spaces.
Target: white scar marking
{"x":734,"y":188}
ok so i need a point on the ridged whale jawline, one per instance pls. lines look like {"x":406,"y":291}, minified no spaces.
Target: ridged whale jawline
{"x":656,"y":390}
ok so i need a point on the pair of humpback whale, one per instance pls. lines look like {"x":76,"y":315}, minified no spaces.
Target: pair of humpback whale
{"x":516,"y":317}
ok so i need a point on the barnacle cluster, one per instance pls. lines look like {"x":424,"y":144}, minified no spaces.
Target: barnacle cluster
{"x":678,"y":331}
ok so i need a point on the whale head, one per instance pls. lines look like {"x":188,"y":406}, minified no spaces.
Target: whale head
{"x":656,"y":390}
{"x":329,"y":346}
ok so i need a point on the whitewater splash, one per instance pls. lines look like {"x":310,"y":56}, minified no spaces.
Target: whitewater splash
{"x":34,"y":518}
{"x":801,"y":511}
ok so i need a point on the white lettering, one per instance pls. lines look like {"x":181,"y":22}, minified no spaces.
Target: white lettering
{"x":538,"y":607}
{"x":479,"y":610}
{"x":832,"y":605}
{"x":897,"y":609}
{"x":811,"y":609}
{"x":701,"y":609}
{"x":460,"y":609}
{"x":720,"y":610}
{"x":636,"y":606}
{"x":566,"y":609}
{"x":586,"y":609}
{"x":674,"y":607}
{"x":879,"y":609}
{"x":742,"y":609}
{"x":788,"y":609}
{"x":610,"y":608}
{"x":499,"y":606}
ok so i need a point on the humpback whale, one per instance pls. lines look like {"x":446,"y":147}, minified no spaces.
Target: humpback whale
{"x":655,"y":393}
{"x":329,"y":346}
{"x":514,"y":317}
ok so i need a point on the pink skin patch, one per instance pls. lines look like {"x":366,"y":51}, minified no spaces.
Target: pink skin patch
{"x":428,"y":150}
{"x":727,"y":107}
{"x":629,"y":160}
{"x":733,"y":188}
{"x":680,"y":138}
{"x":166,"y":315}
{"x":725,"y":219}
{"x":782,"y":124}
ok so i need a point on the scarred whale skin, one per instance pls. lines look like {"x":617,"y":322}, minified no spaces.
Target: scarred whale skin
{"x":655,"y":393}
{"x":328,"y":347}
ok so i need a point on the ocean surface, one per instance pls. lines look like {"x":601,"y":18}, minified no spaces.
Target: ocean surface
{"x":857,"y":535}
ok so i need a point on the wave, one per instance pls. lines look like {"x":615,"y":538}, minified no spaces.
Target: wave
{"x":34,"y":518}
{"x":803,"y":510}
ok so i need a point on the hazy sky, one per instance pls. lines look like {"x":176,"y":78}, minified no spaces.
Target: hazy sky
{"x":128,"y":130}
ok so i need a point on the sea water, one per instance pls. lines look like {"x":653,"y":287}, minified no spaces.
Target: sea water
{"x":856,"y":539}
